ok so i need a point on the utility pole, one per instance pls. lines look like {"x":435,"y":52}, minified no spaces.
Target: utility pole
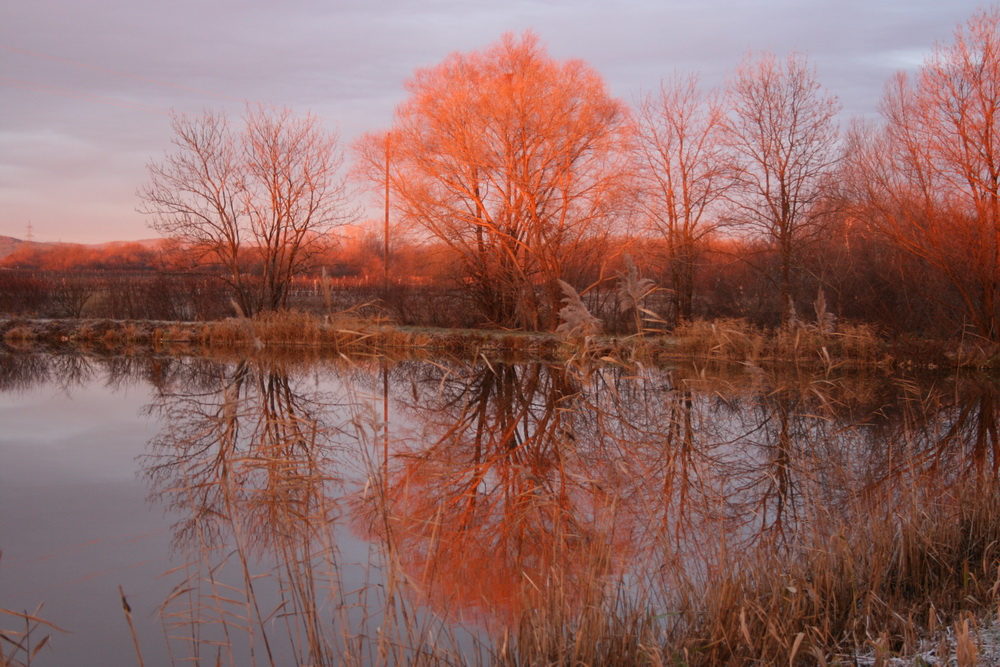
{"x":385,"y":251}
{"x":29,"y":235}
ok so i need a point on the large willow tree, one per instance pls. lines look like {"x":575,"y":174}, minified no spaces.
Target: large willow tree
{"x":512,"y":159}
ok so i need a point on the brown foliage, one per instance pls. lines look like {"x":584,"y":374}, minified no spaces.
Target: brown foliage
{"x":73,"y":257}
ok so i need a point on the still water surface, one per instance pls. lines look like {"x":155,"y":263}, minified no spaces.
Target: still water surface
{"x":273,"y":511}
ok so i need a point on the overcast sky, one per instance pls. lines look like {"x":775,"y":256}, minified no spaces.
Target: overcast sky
{"x":86,"y":87}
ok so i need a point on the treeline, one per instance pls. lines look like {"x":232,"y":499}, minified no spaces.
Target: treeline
{"x":749,"y":199}
{"x":514,"y":185}
{"x":142,"y":295}
{"x":863,"y":277}
{"x":76,"y":257}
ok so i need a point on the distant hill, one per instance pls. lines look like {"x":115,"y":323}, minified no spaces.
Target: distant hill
{"x":145,"y":243}
{"x":9,"y":244}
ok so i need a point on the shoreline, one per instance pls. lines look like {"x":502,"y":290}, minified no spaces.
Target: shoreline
{"x":723,"y":341}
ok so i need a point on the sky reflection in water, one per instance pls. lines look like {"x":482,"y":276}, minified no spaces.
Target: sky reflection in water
{"x":269,"y":493}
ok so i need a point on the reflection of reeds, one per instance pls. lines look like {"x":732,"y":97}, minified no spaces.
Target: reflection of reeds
{"x":780,"y":550}
{"x":540,"y":516}
{"x":251,"y":470}
{"x":885,"y":576}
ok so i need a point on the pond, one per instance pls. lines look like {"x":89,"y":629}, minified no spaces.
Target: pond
{"x":273,"y":510}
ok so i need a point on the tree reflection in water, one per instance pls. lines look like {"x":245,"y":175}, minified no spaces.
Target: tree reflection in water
{"x":527,"y":483}
{"x":247,"y":460}
{"x":486,"y":497}
{"x":505,"y":498}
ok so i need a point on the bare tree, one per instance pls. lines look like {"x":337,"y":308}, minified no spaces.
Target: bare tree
{"x":682,"y":174}
{"x":513,"y":160}
{"x":260,"y":201}
{"x":783,"y":135}
{"x":930,"y":176}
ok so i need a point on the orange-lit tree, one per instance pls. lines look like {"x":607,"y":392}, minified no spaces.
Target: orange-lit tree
{"x":930,"y":177}
{"x":783,"y":136}
{"x":512,"y":159}
{"x":682,"y":174}
{"x":259,"y":201}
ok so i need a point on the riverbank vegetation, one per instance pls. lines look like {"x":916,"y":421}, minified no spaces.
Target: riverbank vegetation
{"x":724,"y":340}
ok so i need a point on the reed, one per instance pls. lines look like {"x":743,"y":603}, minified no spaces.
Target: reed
{"x":887,"y":576}
{"x":731,"y":339}
{"x":21,"y":643}
{"x":906,"y":561}
{"x":351,"y":332}
{"x":917,"y":582}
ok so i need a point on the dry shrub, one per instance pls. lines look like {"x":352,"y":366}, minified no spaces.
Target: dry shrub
{"x":858,"y":341}
{"x":294,"y":328}
{"x":798,"y":342}
{"x":852,"y":342}
{"x":734,"y":339}
{"x":807,"y":342}
{"x":176,"y":334}
{"x":285,"y":327}
{"x":85,"y":333}
{"x":20,"y":333}
{"x":350,"y":329}
{"x":112,"y":336}
{"x":226,"y":333}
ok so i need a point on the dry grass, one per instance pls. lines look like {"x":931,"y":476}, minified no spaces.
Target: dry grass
{"x":351,"y":332}
{"x":20,"y":337}
{"x":882,"y":585}
{"x":731,"y":339}
{"x":23,"y":641}
{"x":738,"y":340}
{"x":887,"y":582}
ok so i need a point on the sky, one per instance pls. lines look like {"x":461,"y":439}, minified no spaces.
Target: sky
{"x":87,"y":88}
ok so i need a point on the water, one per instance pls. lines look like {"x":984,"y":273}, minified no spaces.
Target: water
{"x":276,"y":511}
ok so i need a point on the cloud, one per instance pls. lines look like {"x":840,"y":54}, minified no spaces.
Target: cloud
{"x":86,"y":88}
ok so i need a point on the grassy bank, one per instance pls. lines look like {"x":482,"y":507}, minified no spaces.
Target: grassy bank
{"x":271,"y":331}
{"x":720,"y":340}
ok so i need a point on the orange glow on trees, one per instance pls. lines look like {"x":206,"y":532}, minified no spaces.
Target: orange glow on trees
{"x":930,"y":178}
{"x":513,"y":160}
{"x":260,"y":201}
